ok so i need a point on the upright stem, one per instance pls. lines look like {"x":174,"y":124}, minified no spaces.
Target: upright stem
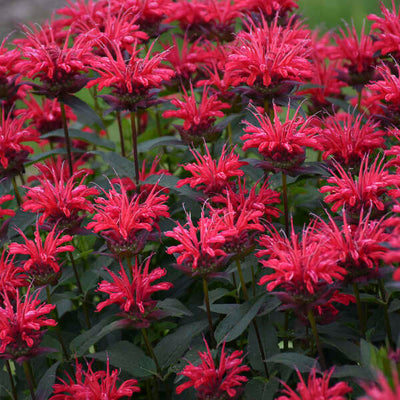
{"x":29,"y":378}
{"x":78,"y":283}
{"x":229,"y":132}
{"x":286,"y":328}
{"x":385,"y":310}
{"x":150,"y":350}
{"x":10,"y":375}
{"x":121,"y":134}
{"x":207,"y":301}
{"x":242,"y":282}
{"x":361,"y":316}
{"x":285,"y":203}
{"x":253,"y":278}
{"x":16,"y":191}
{"x":316,"y":338}
{"x":134,"y":147}
{"x":158,"y":122}
{"x":66,"y":134}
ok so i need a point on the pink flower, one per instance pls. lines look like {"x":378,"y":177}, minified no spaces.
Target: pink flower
{"x":11,"y":277}
{"x":282,"y":144}
{"x":61,"y":201}
{"x":20,"y":326}
{"x":269,"y":8}
{"x":347,"y":138}
{"x":382,"y":389}
{"x":316,"y":388}
{"x":127,"y":222}
{"x":212,"y":176}
{"x":42,"y":266}
{"x":198,"y":118}
{"x":6,"y":211}
{"x":215,"y":382}
{"x":94,"y":385}
{"x":200,"y":247}
{"x":134,"y":295}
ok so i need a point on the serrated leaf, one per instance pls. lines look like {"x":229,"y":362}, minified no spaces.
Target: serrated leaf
{"x":260,"y":389}
{"x":88,"y":137}
{"x":81,"y":343}
{"x":82,"y":110}
{"x":295,"y":360}
{"x":45,"y":385}
{"x":148,"y":145}
{"x":173,"y":308}
{"x":236,"y":322}
{"x":129,"y":358}
{"x":173,"y":346}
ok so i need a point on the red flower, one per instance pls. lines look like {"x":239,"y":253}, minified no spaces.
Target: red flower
{"x":281,"y":144}
{"x":93,"y":385}
{"x":132,"y":81}
{"x":356,"y":193}
{"x":269,"y":8}
{"x":387,"y":40}
{"x":359,"y":246}
{"x":42,"y":266}
{"x":20,"y":326}
{"x":6,"y":211}
{"x":60,"y":200}
{"x":316,"y":388}
{"x":13,"y":153}
{"x":200,"y":249}
{"x":382,"y":389}
{"x":215,"y":382}
{"x":58,"y":67}
{"x":11,"y":277}
{"x":212,"y":176}
{"x":134,"y":295}
{"x":358,"y":55}
{"x":125,"y":222}
{"x":198,"y":118}
{"x":268,"y":55}
{"x":347,"y":138}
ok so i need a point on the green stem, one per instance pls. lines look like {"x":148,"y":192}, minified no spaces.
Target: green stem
{"x":359,"y":100}
{"x":361,"y":316}
{"x":285,"y":203}
{"x":386,"y":314}
{"x":16,"y":191}
{"x":66,"y":135}
{"x":253,"y":278}
{"x":29,"y":378}
{"x":134,"y":147}
{"x":316,"y":338}
{"x":229,"y":132}
{"x":150,"y":350}
{"x":242,"y":282}
{"x":286,"y":328}
{"x":121,"y":134}
{"x":10,"y":375}
{"x":78,"y":283}
{"x":207,"y":302}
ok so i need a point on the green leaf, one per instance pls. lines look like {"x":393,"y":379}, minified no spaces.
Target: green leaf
{"x":89,"y":137}
{"x":367,"y":351}
{"x":45,"y":386}
{"x":170,"y":181}
{"x":21,"y":220}
{"x":346,"y":347}
{"x":174,"y":345}
{"x":85,"y":114}
{"x":148,"y":145}
{"x":173,"y":308}
{"x":294,"y":360}
{"x":81,"y":343}
{"x":353,"y":371}
{"x":121,"y":165}
{"x":235,"y":323}
{"x":129,"y":358}
{"x":260,"y":389}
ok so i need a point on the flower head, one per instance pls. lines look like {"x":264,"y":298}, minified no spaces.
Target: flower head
{"x":215,"y":382}
{"x":133,"y":81}
{"x":94,"y":385}
{"x":133,"y":296}
{"x":269,"y":8}
{"x":125,"y":222}
{"x":42,"y":266}
{"x":20,"y":326}
{"x":61,"y":201}
{"x":280,"y":143}
{"x":6,"y":211}
{"x":198,"y":118}
{"x":316,"y":388}
{"x":200,"y":247}
{"x":382,"y":389}
{"x":212,"y":176}
{"x":347,"y":138}
{"x":11,"y":277}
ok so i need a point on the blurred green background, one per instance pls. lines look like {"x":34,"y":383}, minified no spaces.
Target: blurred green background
{"x":328,"y":14}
